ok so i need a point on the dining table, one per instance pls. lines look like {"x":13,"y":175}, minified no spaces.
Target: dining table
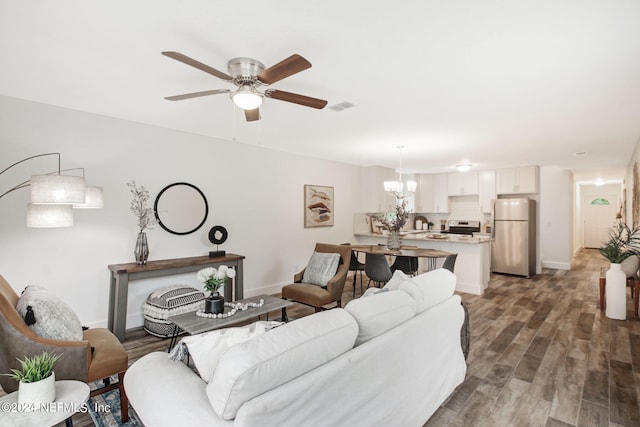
{"x":431,"y":255}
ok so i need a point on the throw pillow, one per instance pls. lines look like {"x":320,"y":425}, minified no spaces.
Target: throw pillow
{"x":397,"y":278}
{"x":251,"y":368}
{"x":373,"y":291}
{"x":205,"y":350}
{"x":380,"y":312}
{"x":431,"y":288}
{"x":53,"y":318}
{"x":321,"y":268}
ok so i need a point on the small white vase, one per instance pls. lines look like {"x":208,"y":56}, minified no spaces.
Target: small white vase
{"x":40,"y":392}
{"x":616,"y":293}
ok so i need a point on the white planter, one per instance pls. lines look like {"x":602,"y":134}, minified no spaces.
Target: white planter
{"x":39,"y":392}
{"x":616,"y":293}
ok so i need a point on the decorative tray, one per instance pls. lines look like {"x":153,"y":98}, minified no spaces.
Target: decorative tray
{"x":437,"y":236}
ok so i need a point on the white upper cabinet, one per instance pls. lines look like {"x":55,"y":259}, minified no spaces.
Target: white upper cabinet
{"x":517,"y":180}
{"x":440,"y":194}
{"x":462,"y":184}
{"x":375,"y":199}
{"x":487,"y":190}
{"x":424,"y":195}
{"x":432,"y":195}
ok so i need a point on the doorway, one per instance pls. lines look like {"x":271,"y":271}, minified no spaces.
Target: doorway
{"x":599,"y":215}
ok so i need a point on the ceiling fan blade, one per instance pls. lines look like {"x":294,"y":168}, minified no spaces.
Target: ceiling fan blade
{"x":199,"y":65}
{"x":285,"y":68}
{"x":307,"y":101}
{"x":197,"y":94}
{"x":252,"y":115}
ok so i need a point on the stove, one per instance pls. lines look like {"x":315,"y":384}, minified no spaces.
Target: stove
{"x":463,"y":227}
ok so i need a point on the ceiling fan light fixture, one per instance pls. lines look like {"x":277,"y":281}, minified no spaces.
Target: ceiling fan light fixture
{"x":247,"y":98}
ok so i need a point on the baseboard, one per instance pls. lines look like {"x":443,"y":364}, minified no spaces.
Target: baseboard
{"x":556,"y":265}
{"x":469,"y":288}
{"x":269,"y":290}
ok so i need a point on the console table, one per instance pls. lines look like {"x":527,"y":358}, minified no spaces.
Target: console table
{"x":121,"y":274}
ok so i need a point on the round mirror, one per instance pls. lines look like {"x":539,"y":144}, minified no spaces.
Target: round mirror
{"x":181,"y":208}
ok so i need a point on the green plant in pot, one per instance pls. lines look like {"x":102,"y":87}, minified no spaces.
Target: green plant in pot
{"x":37,"y":378}
{"x":622,"y":246}
{"x":213,"y":279}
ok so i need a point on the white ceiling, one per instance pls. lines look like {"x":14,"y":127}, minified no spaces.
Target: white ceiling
{"x":493,"y":82}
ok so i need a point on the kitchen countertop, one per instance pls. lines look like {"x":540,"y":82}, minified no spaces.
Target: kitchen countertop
{"x":433,"y":237}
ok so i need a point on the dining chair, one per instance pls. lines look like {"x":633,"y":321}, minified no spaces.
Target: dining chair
{"x":357,"y":267}
{"x":407,"y":264}
{"x":450,"y":262}
{"x":376,"y":267}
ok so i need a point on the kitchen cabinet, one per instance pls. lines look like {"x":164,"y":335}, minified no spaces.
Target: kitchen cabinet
{"x":486,"y":190}
{"x":424,"y":195}
{"x":375,"y":199}
{"x":522,"y":180}
{"x":462,"y":184}
{"x":433,"y":194}
{"x":440,"y":194}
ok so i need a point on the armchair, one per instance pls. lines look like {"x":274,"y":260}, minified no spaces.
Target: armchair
{"x":317,"y":296}
{"x":98,"y":356}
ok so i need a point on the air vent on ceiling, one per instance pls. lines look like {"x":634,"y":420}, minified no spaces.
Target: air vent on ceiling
{"x":341,"y":106}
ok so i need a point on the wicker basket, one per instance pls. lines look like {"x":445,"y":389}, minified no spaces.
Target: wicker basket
{"x":169,"y":301}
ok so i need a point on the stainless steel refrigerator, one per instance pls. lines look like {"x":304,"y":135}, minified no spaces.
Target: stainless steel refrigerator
{"x":513,"y":249}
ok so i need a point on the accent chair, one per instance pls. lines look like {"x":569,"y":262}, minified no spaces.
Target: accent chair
{"x":318,"y":296}
{"x":98,"y":356}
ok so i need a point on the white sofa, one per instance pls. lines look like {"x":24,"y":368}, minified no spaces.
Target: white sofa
{"x":390,"y":359}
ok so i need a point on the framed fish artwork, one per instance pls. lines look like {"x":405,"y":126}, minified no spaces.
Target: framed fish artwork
{"x":318,"y":206}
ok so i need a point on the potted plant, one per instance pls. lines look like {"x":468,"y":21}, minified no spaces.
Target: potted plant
{"x":394,"y":221}
{"x":37,"y":378}
{"x":622,"y":245}
{"x":213,"y":279}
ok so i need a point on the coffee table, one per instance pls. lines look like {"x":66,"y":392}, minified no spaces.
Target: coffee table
{"x":71,"y":397}
{"x":193,"y":324}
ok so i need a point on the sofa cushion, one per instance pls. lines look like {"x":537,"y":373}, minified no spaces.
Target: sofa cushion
{"x":380,"y":312}
{"x":321,"y":268}
{"x":431,"y":288}
{"x":398,"y":277}
{"x":53,"y":318}
{"x":251,"y":368}
{"x":205,"y":350}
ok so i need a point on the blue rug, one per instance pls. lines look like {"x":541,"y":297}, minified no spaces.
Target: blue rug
{"x":105,"y":410}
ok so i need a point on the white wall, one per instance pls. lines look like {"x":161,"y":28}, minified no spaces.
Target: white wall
{"x":256,"y":193}
{"x":556,"y":218}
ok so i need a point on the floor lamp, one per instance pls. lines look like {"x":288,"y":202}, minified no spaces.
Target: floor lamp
{"x":54,"y":196}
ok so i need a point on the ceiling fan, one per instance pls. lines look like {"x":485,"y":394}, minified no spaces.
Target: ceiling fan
{"x":249,"y":75}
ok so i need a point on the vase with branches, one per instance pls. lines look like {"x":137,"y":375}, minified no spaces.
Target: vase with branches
{"x":146,"y":220}
{"x":394,"y":221}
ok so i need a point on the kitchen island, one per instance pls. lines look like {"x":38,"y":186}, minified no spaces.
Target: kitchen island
{"x":474,"y":255}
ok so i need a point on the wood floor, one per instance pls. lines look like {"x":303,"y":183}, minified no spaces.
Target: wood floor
{"x":542,"y":354}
